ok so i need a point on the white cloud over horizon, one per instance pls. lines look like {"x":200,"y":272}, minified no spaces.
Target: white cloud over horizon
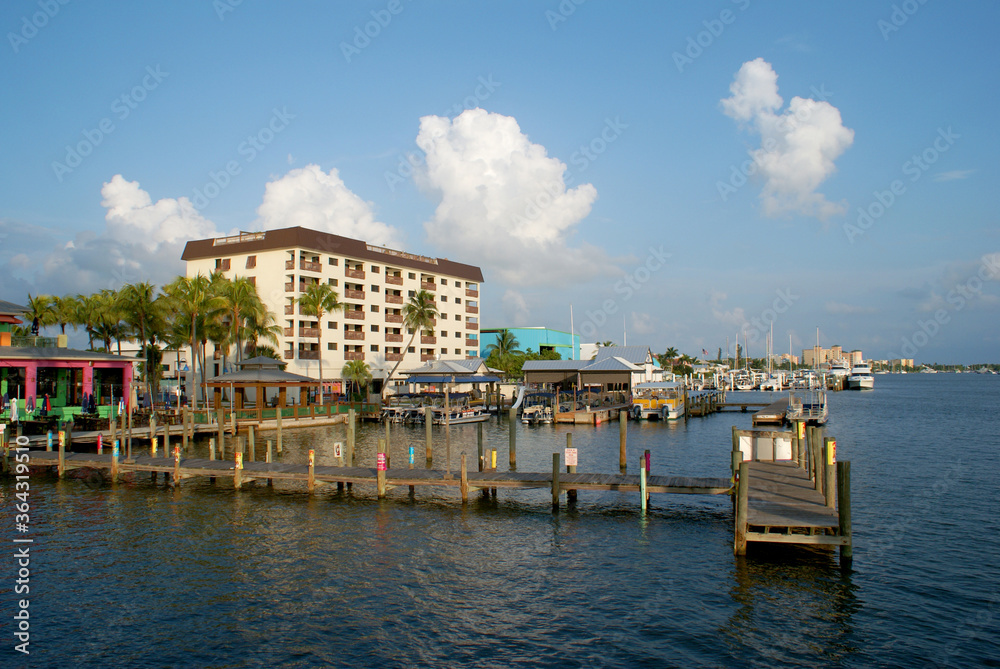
{"x":798,"y":145}
{"x":504,"y":201}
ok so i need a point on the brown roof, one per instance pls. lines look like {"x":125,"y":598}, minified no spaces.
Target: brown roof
{"x":323,"y":242}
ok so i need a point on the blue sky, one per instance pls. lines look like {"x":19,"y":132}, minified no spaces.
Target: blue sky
{"x":602,"y":169}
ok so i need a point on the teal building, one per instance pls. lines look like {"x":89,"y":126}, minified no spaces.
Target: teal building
{"x":538,"y":339}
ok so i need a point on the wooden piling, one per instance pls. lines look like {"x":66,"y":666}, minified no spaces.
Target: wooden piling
{"x":829,"y":471}
{"x":570,"y":469}
{"x":129,"y":412}
{"x":154,"y":447}
{"x":742,"y":494}
{"x":185,"y":413}
{"x":166,"y":436}
{"x":252,"y":443}
{"x":221,"y":425}
{"x":380,"y":468}
{"x":479,"y":440}
{"x":428,"y":435}
{"x":311,"y":482}
{"x":555,"y":481}
{"x":844,"y":511}
{"x":238,"y":471}
{"x":464,"y":483}
{"x":622,"y":431}
{"x":270,"y":482}
{"x":176,"y":480}
{"x":350,"y":437}
{"x":512,"y":440}
{"x":114,"y":461}
{"x":211,"y":448}
{"x":100,"y":443}
{"x":277,"y":419}
{"x":62,"y":453}
{"x":642,"y":484}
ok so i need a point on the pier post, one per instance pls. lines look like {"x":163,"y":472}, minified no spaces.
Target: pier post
{"x":252,"y":443}
{"x":643,"y":499}
{"x":350,"y":437}
{"x":166,"y":436}
{"x":622,"y":431}
{"x":222,"y":431}
{"x":100,"y":443}
{"x":555,"y":481}
{"x":270,"y":482}
{"x":844,"y":512}
{"x":428,"y":436}
{"x":238,"y":471}
{"x":211,"y":448}
{"x":380,"y":468}
{"x":232,"y":421}
{"x":512,"y":439}
{"x":111,"y":427}
{"x":114,"y":461}
{"x":830,"y":470}
{"x":129,"y":412}
{"x":278,"y":411}
{"x":152,"y":428}
{"x":570,"y":468}
{"x":447,"y":431}
{"x":62,"y":453}
{"x":464,"y":483}
{"x":154,"y":447}
{"x":184,"y":427}
{"x":311,"y":483}
{"x":388,"y":443}
{"x":742,"y":493}
{"x":177,"y":467}
{"x":479,"y":440}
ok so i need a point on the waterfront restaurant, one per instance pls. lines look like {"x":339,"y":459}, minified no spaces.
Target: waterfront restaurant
{"x":258,"y":375}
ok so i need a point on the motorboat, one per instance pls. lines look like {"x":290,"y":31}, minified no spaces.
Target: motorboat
{"x":840,"y":368}
{"x":808,"y":406}
{"x":861,"y":377}
{"x":537,"y":408}
{"x":663,"y":401}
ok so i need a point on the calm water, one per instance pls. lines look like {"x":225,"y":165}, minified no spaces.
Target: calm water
{"x":145,"y":576}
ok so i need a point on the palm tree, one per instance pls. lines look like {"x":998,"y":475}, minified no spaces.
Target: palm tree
{"x":243,"y":305}
{"x":318,"y":300}
{"x":505,"y":347}
{"x":358,"y":373}
{"x":193,"y":301}
{"x":87,"y":314}
{"x":40,"y":311}
{"x":418,"y":314}
{"x":142,"y":310}
{"x":64,"y":312}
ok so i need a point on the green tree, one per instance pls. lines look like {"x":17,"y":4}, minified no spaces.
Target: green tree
{"x":142,"y":311}
{"x":504,"y":351}
{"x":192,"y":300}
{"x":318,"y":300}
{"x":40,"y":310}
{"x":245,"y":310}
{"x":419,"y":314}
{"x":357,"y":373}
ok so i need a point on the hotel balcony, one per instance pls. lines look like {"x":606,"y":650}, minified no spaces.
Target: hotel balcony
{"x":472,"y":326}
{"x":310,"y":266}
{"x":428,"y":285}
{"x":471,"y":293}
{"x":289,"y":264}
{"x":289,"y":286}
{"x":393,"y":337}
{"x":394,"y":299}
{"x":394,"y":280}
{"x":394,"y":318}
{"x":308,"y":355}
{"x":289,"y":355}
{"x":357,"y":315}
{"x":426,"y":357}
{"x":308,"y":332}
{"x":289,"y":309}
{"x":393,"y":357}
{"x":356,"y":335}
{"x":289,"y":332}
{"x":472,"y":343}
{"x":354,"y":355}
{"x":472,"y":310}
{"x":354,"y":274}
{"x":354,"y":294}
{"x":424,"y":339}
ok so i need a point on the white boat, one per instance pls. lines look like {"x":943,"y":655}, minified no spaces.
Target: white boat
{"x":861,"y":377}
{"x":840,"y":368}
{"x":460,"y":414}
{"x":664,"y":401}
{"x":537,"y":408}
{"x":743,"y":381}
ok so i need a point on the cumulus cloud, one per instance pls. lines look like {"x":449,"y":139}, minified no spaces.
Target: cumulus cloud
{"x":504,"y":202}
{"x":133,"y":217}
{"x":642,"y":323}
{"x":320,"y":200}
{"x":798,"y":145}
{"x":515,"y":307}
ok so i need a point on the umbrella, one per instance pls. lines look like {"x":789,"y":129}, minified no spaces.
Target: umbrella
{"x":48,"y":404}
{"x":13,"y":411}
{"x":93,"y":404}
{"x":29,"y":405}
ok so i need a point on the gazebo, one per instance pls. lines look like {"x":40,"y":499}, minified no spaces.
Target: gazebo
{"x":261,"y":373}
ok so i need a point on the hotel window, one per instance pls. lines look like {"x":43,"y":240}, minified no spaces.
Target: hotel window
{"x":444,"y":298}
{"x":332,"y":346}
{"x":374,"y":328}
{"x":374,"y":269}
{"x":412,"y":293}
{"x":458,"y":351}
{"x":222,"y":264}
{"x":333,"y":261}
{"x":374,"y":348}
{"x":411,"y":350}
{"x":444,"y":333}
{"x":458,"y":300}
{"x":444,"y":351}
{"x":375,"y":307}
{"x":333,"y":282}
{"x":251,"y":262}
{"x":411,"y":275}
{"x":331,"y":325}
{"x":253,"y":281}
{"x":458,"y":335}
{"x":457,"y":317}
{"x":444,"y":282}
{"x":374,"y":289}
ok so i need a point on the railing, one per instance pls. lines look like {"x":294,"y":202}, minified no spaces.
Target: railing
{"x":472,"y":326}
{"x":289,"y":332}
{"x":289,"y":309}
{"x":354,"y":355}
{"x":289,"y":355}
{"x":472,"y":310}
{"x":471,"y":293}
{"x":354,"y":273}
{"x":310,"y":266}
{"x":424,"y":339}
{"x":354,"y":334}
{"x":289,"y":264}
{"x":354,"y":294}
{"x":394,"y":280}
{"x":289,"y":286}
{"x":29,"y":342}
{"x":427,"y":285}
{"x":393,"y":337}
{"x":357,"y":315}
{"x":394,"y":318}
{"x":472,"y":342}
{"x":308,"y":355}
{"x":426,"y":357}
{"x":309,"y":332}
{"x":394,"y":299}
{"x":393,"y":357}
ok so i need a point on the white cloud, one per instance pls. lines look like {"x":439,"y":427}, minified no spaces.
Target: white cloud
{"x":504,"y":203}
{"x":515,"y":308}
{"x":642,"y":323}
{"x":798,"y":146}
{"x":133,"y":217}
{"x":319,"y":200}
{"x":953,"y":175}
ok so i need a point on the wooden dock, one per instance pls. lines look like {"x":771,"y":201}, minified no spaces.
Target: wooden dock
{"x":772,"y":414}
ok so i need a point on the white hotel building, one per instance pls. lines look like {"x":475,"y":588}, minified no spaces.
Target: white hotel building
{"x":373,"y":283}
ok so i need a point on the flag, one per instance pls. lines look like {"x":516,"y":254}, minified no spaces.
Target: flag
{"x":704,"y":352}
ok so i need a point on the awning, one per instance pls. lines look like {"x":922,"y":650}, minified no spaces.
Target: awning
{"x":457,"y":378}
